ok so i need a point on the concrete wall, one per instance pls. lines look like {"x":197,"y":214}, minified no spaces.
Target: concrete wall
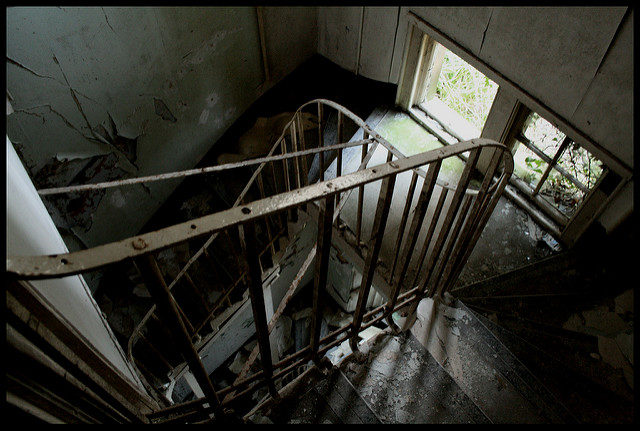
{"x":575,"y":60}
{"x":172,"y":79}
{"x":30,"y":231}
{"x":578,"y":61}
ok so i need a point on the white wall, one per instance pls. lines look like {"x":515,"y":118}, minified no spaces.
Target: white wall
{"x":578,"y":61}
{"x":291,"y":36}
{"x":30,"y":231}
{"x":204,"y":63}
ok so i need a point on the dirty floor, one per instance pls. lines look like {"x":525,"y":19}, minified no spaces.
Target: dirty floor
{"x":510,"y":240}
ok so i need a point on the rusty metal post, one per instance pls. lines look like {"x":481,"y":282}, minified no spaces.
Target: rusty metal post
{"x":471,"y":224}
{"x":412,"y":237}
{"x":325,"y":222}
{"x":158,"y":289}
{"x":340,"y":139}
{"x":377,"y":235}
{"x":432,"y":227}
{"x":403,"y":222}
{"x":305,"y":161}
{"x":446,"y":257}
{"x":248,"y":239}
{"x":461,"y":187}
{"x":320,"y":141}
{"x":365,"y":148}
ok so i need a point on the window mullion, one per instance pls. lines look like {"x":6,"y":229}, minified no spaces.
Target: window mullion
{"x":550,"y":166}
{"x":547,"y":159}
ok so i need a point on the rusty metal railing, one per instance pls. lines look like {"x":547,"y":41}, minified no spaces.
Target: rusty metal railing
{"x":446,"y":245}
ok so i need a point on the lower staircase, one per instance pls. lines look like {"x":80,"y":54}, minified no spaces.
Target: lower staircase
{"x":547,"y":343}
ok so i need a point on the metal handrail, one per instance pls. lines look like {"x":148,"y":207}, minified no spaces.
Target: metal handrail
{"x":465,"y":219}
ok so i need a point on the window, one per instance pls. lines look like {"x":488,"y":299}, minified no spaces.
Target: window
{"x":456,"y":94}
{"x":553,"y":166}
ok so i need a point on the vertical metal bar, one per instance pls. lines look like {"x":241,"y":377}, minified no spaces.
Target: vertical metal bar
{"x":158,"y":289}
{"x":432,"y":227}
{"x":365,"y":147}
{"x":305,"y":162}
{"x":266,"y":219}
{"x":463,"y":182}
{"x":403,"y":222}
{"x":473,"y":218}
{"x":250,"y":248}
{"x":283,"y":215}
{"x":339,"y":157}
{"x":482,"y":221}
{"x":446,"y":257}
{"x":325,"y":222}
{"x":377,"y":235}
{"x":285,"y":164}
{"x":294,"y":146}
{"x":412,"y":236}
{"x":276,"y":186}
{"x":340,"y":139}
{"x":320,"y":141}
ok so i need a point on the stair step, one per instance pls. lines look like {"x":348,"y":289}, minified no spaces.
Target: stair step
{"x":544,"y":310}
{"x":403,"y":383}
{"x":517,"y":373}
{"x":588,"y":401}
{"x":525,"y":280}
{"x":574,"y":350}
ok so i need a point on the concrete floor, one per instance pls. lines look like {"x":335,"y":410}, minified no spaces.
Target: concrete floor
{"x":510,"y":240}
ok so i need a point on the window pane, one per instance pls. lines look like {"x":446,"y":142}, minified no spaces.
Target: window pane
{"x":581,"y":164}
{"x":527,"y":165}
{"x":465,"y":90}
{"x":543,"y":134}
{"x":561,"y":193}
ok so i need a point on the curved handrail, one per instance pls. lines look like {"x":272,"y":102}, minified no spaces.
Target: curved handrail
{"x":56,"y":266}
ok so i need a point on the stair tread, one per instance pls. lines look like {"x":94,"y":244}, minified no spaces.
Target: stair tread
{"x":576,"y":351}
{"x":519,"y":375}
{"x":403,"y":383}
{"x":587,"y":400}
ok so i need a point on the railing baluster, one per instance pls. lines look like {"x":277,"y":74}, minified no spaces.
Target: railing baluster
{"x":446,"y":257}
{"x":267,"y":223}
{"x":478,"y":227}
{"x":403,"y":221}
{"x":166,"y":305}
{"x":325,"y":222}
{"x":461,"y":187}
{"x":365,"y":148}
{"x":303,"y":147}
{"x":294,"y":146}
{"x":340,"y":139}
{"x":285,"y":164}
{"x":377,"y":235}
{"x":250,"y":249}
{"x":432,"y":227}
{"x":320,"y":141}
{"x":412,"y":237}
{"x":472,"y":221}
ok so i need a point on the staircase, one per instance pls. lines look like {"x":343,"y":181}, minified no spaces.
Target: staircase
{"x":511,"y":349}
{"x":217,"y":281}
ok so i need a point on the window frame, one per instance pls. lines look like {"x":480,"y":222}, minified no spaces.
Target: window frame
{"x":415,"y":64}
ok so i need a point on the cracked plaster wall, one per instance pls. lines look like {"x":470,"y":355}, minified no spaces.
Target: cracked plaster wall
{"x":157,"y":87}
{"x":576,"y":60}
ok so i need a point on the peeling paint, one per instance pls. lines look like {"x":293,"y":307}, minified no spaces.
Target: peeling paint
{"x":203,"y":116}
{"x":163,"y":111}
